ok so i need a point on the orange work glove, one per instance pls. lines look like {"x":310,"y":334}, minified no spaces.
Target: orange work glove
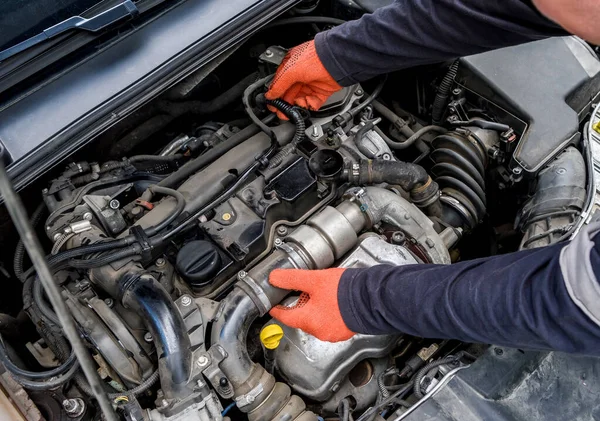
{"x":317,"y":311}
{"x":302,"y":80}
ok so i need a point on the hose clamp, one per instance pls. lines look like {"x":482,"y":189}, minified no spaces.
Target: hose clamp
{"x":255,"y":292}
{"x":249,"y":397}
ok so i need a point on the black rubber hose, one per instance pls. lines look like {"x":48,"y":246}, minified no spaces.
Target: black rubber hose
{"x":404,"y":174}
{"x":34,"y":375}
{"x":399,"y":123}
{"x":246,"y":100}
{"x":43,"y":307}
{"x":105,"y":259}
{"x":416,"y":136}
{"x":155,"y":158}
{"x":305,"y":19}
{"x":51,"y":383}
{"x":354,"y":111}
{"x":179,"y":207}
{"x":36,"y":217}
{"x":195,"y":165}
{"x":441,"y":97}
{"x":295,"y":117}
{"x":144,"y":295}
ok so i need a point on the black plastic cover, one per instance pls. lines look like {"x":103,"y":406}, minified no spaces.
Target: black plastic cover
{"x":548,"y":84}
{"x":514,"y":385}
{"x":198,"y":262}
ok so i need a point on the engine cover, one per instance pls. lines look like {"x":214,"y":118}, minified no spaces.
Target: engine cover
{"x":317,"y":369}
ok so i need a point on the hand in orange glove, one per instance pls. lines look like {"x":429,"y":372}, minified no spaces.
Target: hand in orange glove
{"x":317,"y":311}
{"x":302,"y":80}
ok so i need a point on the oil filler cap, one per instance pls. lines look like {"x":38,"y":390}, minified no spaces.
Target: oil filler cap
{"x":271,"y":335}
{"x":198,"y":262}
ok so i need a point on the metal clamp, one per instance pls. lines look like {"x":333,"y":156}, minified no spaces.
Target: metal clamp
{"x":255,"y":292}
{"x":249,"y":397}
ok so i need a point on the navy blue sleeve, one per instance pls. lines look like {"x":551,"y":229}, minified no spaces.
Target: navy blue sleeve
{"x":409,"y":33}
{"x":518,"y":300}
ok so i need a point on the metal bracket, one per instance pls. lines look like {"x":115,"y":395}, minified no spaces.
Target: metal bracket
{"x":213,"y":373}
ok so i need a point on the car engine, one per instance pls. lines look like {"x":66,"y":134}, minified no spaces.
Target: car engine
{"x":162,"y":233}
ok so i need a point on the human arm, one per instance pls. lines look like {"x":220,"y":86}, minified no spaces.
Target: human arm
{"x":520,"y":300}
{"x":405,"y":34}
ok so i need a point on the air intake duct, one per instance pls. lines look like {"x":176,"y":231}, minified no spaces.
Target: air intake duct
{"x":459,"y":161}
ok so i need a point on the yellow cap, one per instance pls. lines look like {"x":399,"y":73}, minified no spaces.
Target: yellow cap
{"x":596,"y":127}
{"x":271,"y":335}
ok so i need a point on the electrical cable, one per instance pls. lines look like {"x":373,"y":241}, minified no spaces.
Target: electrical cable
{"x":34,"y":375}
{"x":36,"y":217}
{"x":32,"y":244}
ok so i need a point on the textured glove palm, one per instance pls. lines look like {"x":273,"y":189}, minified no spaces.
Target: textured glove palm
{"x":317,"y":311}
{"x":302,"y":80}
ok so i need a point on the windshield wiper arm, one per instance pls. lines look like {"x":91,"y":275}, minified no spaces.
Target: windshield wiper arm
{"x":122,"y":11}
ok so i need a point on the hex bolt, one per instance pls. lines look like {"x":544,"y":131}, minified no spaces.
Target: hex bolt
{"x":87,"y":216}
{"x":278,"y":242}
{"x":45,"y":191}
{"x":114,"y":204}
{"x":268,"y":53}
{"x":148,"y":337}
{"x":241,"y":275}
{"x":282,"y":230}
{"x":517,"y":170}
{"x":74,"y":407}
{"x":202,"y":361}
{"x":109,"y":302}
{"x":359,"y":92}
{"x":457,"y":91}
{"x":315,"y":132}
{"x":160,"y":262}
{"x":398,"y":237}
{"x":186,"y":300}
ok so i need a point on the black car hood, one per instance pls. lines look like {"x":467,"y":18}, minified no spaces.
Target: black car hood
{"x":42,"y":127}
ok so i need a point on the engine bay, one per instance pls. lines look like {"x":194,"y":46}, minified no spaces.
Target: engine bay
{"x":162,"y":233}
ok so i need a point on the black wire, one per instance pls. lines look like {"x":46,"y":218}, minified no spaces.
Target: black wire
{"x":18,"y":214}
{"x":41,"y":375}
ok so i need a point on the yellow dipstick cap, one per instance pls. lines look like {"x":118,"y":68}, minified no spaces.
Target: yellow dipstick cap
{"x":596,"y":127}
{"x":271,"y":335}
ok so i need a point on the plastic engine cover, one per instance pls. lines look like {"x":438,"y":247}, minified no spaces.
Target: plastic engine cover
{"x":548,"y":84}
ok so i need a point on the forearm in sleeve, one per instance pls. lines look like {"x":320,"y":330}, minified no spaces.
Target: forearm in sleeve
{"x":519,"y":300}
{"x":409,"y":33}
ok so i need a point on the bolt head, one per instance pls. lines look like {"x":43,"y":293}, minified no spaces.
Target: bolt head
{"x":87,"y":216}
{"x":517,"y":170}
{"x":45,"y":191}
{"x":56,"y":237}
{"x":160,"y":262}
{"x":109,"y":302}
{"x":269,"y":53}
{"x":114,"y":204}
{"x":241,"y":274}
{"x":148,"y":337}
{"x":278,"y":242}
{"x":282,"y":230}
{"x":202,"y":361}
{"x":186,"y":300}
{"x":359,"y":92}
{"x":74,"y":407}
